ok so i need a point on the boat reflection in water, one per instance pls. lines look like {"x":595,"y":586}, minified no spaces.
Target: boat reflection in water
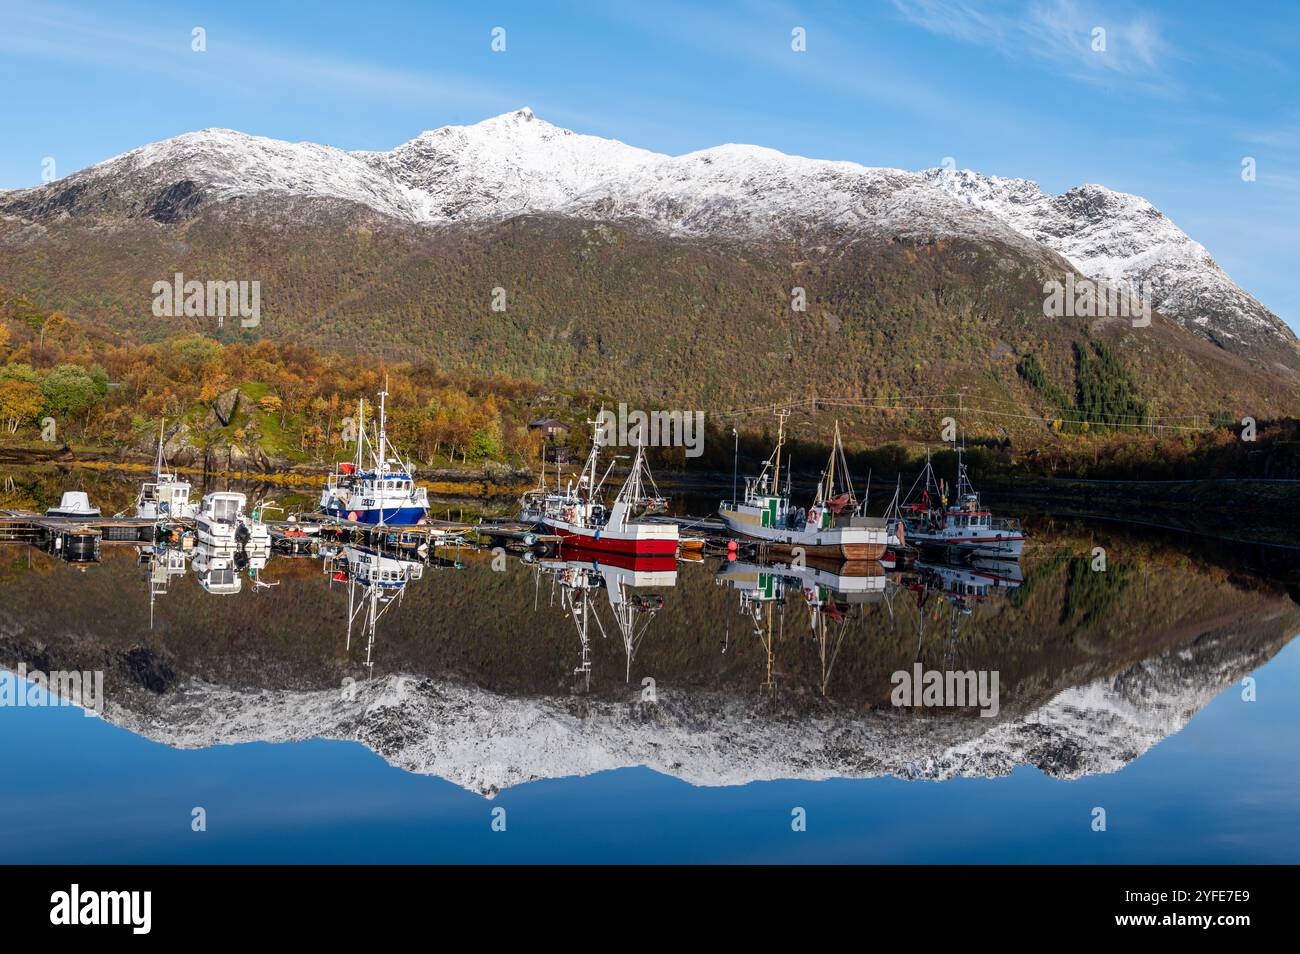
{"x":162,"y":565}
{"x":831,"y":593}
{"x":1093,"y":669}
{"x":221,"y":570}
{"x":577,"y":580}
{"x":376,"y":580}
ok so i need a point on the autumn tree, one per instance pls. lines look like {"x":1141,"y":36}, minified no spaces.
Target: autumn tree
{"x":20,"y":401}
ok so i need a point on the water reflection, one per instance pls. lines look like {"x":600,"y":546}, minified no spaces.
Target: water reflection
{"x":520,"y":669}
{"x":583,"y":576}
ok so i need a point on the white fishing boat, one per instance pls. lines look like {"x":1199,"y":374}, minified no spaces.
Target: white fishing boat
{"x":579,"y":516}
{"x":221,"y":522}
{"x":965,"y":525}
{"x":834,"y":526}
{"x":167,"y":496}
{"x":380,"y":490}
{"x":74,"y":504}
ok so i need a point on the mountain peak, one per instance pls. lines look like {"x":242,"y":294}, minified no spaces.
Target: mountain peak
{"x":516,"y":163}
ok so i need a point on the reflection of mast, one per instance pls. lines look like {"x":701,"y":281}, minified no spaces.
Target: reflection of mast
{"x":164,"y":563}
{"x":829,"y":624}
{"x":631,"y":612}
{"x":376,"y":581}
{"x":574,"y":592}
{"x":762,"y":613}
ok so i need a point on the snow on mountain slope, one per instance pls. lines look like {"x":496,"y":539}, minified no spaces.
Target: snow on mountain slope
{"x":509,"y":165}
{"x":753,"y":192}
{"x":1124,"y":240}
{"x":165,"y":179}
{"x":516,"y":163}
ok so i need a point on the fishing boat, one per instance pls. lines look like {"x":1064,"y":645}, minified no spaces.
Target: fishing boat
{"x":74,"y":504}
{"x":166,"y":496}
{"x":221,"y":522}
{"x":900,"y":553}
{"x":850,"y":582}
{"x":965,"y":525}
{"x":834,"y":526}
{"x":579,"y":516}
{"x":381,"y":491}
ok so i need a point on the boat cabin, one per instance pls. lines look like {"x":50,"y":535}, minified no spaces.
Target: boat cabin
{"x":223,"y":506}
{"x":166,"y":495}
{"x":969,"y":520}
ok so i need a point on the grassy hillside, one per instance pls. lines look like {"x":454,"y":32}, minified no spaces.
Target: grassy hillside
{"x":661,"y":322}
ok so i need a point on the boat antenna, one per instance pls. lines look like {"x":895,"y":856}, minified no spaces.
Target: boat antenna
{"x":735,"y":461}
{"x":162,"y":425}
{"x":361,"y":432}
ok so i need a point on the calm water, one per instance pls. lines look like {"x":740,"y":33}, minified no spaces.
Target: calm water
{"x":368,"y":707}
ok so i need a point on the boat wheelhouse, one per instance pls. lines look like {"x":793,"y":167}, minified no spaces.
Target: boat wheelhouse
{"x":167,"y":496}
{"x":380,"y":490}
{"x":221,"y":522}
{"x":580,"y":518}
{"x":834,"y":526}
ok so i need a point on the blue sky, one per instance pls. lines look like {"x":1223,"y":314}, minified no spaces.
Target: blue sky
{"x":1183,"y":92}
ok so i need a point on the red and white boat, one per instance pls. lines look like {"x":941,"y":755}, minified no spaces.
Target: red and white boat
{"x":582,"y":519}
{"x":965,"y":525}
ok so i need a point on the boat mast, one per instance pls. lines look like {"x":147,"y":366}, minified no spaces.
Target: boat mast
{"x":589,"y":469}
{"x":381,"y":451}
{"x":781,"y":415}
{"x":830,"y":466}
{"x":361,"y":433}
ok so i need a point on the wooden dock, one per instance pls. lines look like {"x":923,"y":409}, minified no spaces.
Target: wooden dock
{"x":32,"y":527}
{"x":515,"y":535}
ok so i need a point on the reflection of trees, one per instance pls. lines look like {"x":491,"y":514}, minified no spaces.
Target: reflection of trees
{"x":1091,"y":595}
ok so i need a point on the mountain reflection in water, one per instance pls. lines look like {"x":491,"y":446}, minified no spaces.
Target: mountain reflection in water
{"x":491,"y":670}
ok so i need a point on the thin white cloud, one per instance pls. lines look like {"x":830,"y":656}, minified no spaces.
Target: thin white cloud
{"x":1056,"y":31}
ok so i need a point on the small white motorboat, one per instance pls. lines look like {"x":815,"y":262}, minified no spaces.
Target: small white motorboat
{"x":74,"y":504}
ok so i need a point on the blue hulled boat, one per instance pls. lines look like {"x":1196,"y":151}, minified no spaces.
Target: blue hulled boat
{"x":379,"y":489}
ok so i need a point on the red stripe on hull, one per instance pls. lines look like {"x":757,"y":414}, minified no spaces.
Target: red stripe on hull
{"x":614,"y":545}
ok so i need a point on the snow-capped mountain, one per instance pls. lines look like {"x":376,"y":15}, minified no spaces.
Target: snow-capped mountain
{"x":510,"y":165}
{"x":1123,"y":240}
{"x":518,"y":164}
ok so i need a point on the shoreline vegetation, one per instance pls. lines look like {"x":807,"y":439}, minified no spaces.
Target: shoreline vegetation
{"x":74,"y":395}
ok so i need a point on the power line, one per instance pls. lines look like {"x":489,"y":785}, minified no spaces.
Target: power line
{"x":1186,"y":422}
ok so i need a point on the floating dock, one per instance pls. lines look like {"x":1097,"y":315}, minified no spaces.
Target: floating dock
{"x":39,"y":528}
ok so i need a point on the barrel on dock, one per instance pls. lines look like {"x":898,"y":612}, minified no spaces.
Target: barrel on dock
{"x":77,"y":544}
